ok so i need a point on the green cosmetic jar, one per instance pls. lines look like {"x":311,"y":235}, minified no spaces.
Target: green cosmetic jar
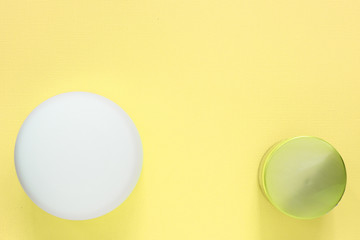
{"x":304,"y":177}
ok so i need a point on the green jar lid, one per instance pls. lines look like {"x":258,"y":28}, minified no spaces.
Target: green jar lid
{"x":304,"y":177}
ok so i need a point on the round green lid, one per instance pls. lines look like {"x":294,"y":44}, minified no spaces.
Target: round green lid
{"x":304,"y":177}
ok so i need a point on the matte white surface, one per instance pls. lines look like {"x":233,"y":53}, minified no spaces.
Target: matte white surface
{"x":78,"y":155}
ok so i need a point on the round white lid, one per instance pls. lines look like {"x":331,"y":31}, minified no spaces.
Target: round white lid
{"x":78,"y":155}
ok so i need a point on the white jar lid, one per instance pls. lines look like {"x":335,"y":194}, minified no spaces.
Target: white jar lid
{"x":78,"y":155}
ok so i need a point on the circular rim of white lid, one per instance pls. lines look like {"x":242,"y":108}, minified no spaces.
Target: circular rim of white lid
{"x":102,"y":163}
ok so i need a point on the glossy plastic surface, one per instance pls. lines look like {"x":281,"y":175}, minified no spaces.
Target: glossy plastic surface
{"x":304,"y":177}
{"x":78,"y":155}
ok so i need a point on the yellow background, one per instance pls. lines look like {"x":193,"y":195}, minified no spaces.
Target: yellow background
{"x":210,"y":85}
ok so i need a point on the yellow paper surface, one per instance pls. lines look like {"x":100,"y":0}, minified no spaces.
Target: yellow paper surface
{"x":210,"y":85}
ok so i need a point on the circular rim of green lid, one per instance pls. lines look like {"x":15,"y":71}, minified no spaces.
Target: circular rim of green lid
{"x":262,"y":173}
